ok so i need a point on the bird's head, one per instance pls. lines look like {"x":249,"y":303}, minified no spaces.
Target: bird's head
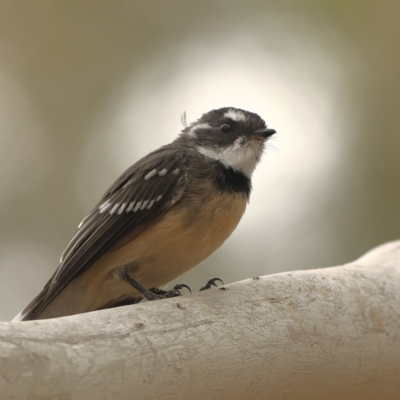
{"x":231,"y":136}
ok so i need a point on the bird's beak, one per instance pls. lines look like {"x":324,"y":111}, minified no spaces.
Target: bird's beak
{"x":264,"y":133}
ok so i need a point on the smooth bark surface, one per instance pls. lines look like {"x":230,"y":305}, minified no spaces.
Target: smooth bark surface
{"x":322,"y":334}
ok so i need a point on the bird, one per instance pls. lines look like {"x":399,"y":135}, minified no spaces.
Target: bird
{"x":163,"y":216}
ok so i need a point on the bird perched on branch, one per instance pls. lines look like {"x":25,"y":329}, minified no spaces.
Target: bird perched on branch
{"x":162,"y":216}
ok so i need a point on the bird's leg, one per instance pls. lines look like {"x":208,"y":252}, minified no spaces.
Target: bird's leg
{"x":147,"y":294}
{"x":154,"y":293}
{"x":158,"y":291}
{"x":209,"y":283}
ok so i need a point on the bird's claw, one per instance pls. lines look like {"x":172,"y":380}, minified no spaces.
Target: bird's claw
{"x":174,"y":292}
{"x":211,"y":282}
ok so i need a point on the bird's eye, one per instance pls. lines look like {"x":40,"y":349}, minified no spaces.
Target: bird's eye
{"x":226,"y":128}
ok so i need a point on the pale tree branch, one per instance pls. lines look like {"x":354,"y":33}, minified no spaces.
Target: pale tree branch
{"x":321,"y":334}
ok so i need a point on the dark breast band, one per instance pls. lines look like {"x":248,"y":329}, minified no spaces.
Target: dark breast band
{"x":228,"y":179}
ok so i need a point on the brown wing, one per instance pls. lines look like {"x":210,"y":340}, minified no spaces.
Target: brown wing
{"x":141,"y":194}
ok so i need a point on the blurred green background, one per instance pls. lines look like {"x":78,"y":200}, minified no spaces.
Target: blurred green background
{"x":88,"y":87}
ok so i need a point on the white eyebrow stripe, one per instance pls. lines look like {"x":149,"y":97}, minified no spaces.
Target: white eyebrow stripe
{"x":150,"y":174}
{"x":235,"y":115}
{"x":163,"y":172}
{"x":201,"y":126}
{"x":192,"y":132}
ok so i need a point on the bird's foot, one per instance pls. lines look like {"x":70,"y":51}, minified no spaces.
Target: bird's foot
{"x":155,"y":293}
{"x":211,"y":282}
{"x":174,"y":292}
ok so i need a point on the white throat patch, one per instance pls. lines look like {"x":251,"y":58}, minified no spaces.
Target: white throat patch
{"x":241,"y":155}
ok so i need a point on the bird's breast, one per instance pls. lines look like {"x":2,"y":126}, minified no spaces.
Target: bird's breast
{"x":187,"y":234}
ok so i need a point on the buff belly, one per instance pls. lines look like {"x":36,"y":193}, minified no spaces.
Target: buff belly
{"x":176,"y":243}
